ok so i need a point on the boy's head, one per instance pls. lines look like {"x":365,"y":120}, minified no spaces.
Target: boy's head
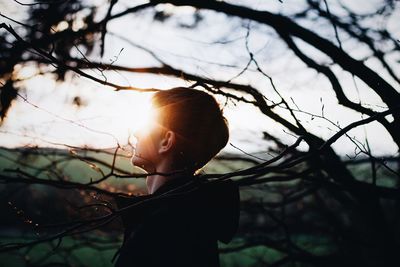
{"x":189,"y":128}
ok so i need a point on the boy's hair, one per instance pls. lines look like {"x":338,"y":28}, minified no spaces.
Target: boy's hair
{"x":195,"y":117}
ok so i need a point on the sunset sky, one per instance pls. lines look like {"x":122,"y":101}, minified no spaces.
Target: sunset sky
{"x":46,"y":114}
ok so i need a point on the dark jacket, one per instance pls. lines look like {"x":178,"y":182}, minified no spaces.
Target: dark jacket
{"x":179,"y":227}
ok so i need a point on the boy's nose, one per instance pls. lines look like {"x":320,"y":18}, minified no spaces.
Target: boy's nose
{"x":137,"y":133}
{"x":133,"y":138}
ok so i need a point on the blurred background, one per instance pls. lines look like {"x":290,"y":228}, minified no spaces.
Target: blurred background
{"x":76,"y":78}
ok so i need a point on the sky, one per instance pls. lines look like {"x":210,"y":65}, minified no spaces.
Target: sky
{"x":45,"y":113}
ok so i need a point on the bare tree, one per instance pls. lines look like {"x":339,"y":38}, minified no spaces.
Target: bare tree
{"x":309,"y":206}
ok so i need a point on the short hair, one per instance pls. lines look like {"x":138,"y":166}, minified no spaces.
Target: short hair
{"x":197,"y":120}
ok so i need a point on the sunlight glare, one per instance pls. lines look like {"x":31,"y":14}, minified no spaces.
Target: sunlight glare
{"x":142,"y":115}
{"x":144,"y":120}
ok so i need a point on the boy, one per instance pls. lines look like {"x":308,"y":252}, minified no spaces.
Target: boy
{"x":182,"y":229}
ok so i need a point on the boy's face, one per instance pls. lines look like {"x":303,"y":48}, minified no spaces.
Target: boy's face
{"x":146,"y":152}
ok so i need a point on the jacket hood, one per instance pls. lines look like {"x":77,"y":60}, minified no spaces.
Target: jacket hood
{"x":212,"y":206}
{"x":226,"y":203}
{"x":219,"y":208}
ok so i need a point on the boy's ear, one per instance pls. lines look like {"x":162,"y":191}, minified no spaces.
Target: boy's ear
{"x":167,"y":141}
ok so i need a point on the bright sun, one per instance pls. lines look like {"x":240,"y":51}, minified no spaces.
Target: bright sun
{"x":134,"y":114}
{"x":142,"y":116}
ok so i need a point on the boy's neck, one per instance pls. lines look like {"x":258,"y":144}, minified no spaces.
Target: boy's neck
{"x":154,"y":182}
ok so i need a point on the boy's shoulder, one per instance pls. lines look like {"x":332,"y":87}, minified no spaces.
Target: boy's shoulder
{"x":214,"y":205}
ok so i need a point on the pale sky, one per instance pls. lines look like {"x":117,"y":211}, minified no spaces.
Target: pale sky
{"x":50,"y":117}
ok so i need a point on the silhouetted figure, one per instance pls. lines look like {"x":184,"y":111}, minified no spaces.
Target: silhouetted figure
{"x":181,"y":219}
